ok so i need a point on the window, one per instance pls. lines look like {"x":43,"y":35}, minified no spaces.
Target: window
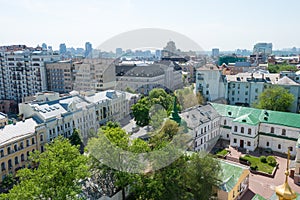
{"x":279,"y":146}
{"x":235,"y":128}
{"x":248,"y":144}
{"x":32,"y":140}
{"x":2,"y":153}
{"x":225,"y":122}
{"x":42,"y":149}
{"x":8,"y":150}
{"x":16,"y":147}
{"x":283,"y":132}
{"x":242,"y":129}
{"x":16,"y":160}
{"x":22,"y":158}
{"x":234,"y":140}
{"x":41,"y":138}
{"x":2,"y":166}
{"x":268,"y":144}
{"x":205,"y":129}
{"x":249,"y":131}
{"x":28,"y":154}
{"x":272,"y":129}
{"x":21,"y":145}
{"x":9,"y":164}
{"x":227,"y":135}
{"x":291,"y":148}
{"x":27,"y":143}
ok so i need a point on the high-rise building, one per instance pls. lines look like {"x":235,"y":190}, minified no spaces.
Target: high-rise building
{"x":23,"y":73}
{"x":119,"y":52}
{"x":62,"y":48}
{"x":88,"y":50}
{"x":44,"y":46}
{"x":215,"y":52}
{"x":263,"y":48}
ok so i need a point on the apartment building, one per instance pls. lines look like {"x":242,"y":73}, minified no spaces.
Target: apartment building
{"x":60,"y":76}
{"x":94,"y":74}
{"x":23,"y":72}
{"x":210,"y":82}
{"x":245,"y":88}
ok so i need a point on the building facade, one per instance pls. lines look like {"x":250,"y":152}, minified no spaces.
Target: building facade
{"x":60,"y":76}
{"x":23,"y":73}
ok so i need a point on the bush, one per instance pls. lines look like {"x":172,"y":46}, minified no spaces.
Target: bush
{"x":242,"y":158}
{"x":253,"y":167}
{"x":271,"y":161}
{"x":263,"y":159}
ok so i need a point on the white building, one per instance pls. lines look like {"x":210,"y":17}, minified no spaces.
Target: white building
{"x":23,"y":73}
{"x":209,"y":81}
{"x":204,"y":124}
{"x":250,"y":128}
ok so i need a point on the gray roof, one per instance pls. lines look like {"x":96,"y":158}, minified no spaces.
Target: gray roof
{"x":286,"y":81}
{"x":22,"y":129}
{"x":146,"y":71}
{"x":196,"y":116}
{"x":103,"y":96}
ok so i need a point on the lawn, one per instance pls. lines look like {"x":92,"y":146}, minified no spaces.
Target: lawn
{"x":222,"y":152}
{"x":261,"y":166}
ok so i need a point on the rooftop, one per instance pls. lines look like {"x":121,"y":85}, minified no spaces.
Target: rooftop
{"x":262,"y":116}
{"x":230,"y":175}
{"x":10,"y":133}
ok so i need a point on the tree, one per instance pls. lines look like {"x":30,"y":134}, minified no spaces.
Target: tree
{"x":275,"y":98}
{"x":140,"y":111}
{"x":60,"y":168}
{"x":75,"y":140}
{"x":281,"y":67}
{"x":187,"y":98}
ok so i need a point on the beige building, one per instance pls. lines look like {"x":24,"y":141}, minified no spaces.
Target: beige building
{"x":235,"y":181}
{"x":95,"y":74}
{"x":17,"y":141}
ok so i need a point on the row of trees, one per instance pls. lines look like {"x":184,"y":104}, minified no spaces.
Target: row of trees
{"x":62,"y":172}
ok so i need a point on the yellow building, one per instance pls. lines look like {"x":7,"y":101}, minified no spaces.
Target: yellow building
{"x":235,"y":181}
{"x":16,"y":142}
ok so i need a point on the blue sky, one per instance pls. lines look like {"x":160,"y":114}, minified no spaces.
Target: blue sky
{"x":226,"y":24}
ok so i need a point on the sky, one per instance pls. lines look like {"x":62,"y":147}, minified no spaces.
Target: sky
{"x":223,"y":24}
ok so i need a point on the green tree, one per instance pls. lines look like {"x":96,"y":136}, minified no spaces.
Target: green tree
{"x":76,"y":140}
{"x":275,"y":98}
{"x":157,"y":117}
{"x":60,"y":169}
{"x":281,"y":67}
{"x":140,"y":111}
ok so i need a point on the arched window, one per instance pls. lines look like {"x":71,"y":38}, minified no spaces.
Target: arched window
{"x":9,"y":164}
{"x":41,"y":138}
{"x":242,"y":129}
{"x":8,"y":150}
{"x":22,"y":157}
{"x":272,"y":129}
{"x":16,"y":160}
{"x":2,"y":166}
{"x":16,"y":147}
{"x":268,"y":144}
{"x":279,"y":146}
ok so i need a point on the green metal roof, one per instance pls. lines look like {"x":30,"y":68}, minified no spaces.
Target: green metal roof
{"x":258,"y":197}
{"x":230,"y":175}
{"x":247,"y":119}
{"x":263,"y":116}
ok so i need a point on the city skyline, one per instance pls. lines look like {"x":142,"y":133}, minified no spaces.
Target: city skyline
{"x":226,"y":25}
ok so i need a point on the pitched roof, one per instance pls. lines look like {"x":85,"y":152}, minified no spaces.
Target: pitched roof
{"x":286,"y":81}
{"x":14,"y":132}
{"x":264,"y":116}
{"x":230,"y":175}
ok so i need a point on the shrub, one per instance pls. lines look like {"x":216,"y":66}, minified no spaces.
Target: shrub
{"x":271,"y":161}
{"x":242,"y":158}
{"x":263,"y":159}
{"x":253,"y":167}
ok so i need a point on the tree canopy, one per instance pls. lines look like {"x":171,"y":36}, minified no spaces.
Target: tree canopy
{"x":275,"y":98}
{"x":60,"y":168}
{"x":281,"y":67}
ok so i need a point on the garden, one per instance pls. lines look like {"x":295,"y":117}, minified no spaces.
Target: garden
{"x":261,"y":164}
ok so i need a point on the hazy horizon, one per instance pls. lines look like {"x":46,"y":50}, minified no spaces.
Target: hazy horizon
{"x":227,"y":25}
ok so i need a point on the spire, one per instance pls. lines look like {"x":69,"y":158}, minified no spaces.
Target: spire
{"x":174,"y":114}
{"x":284,"y":191}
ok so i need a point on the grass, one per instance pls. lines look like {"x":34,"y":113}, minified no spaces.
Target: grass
{"x":222,"y":152}
{"x":262,"y":167}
